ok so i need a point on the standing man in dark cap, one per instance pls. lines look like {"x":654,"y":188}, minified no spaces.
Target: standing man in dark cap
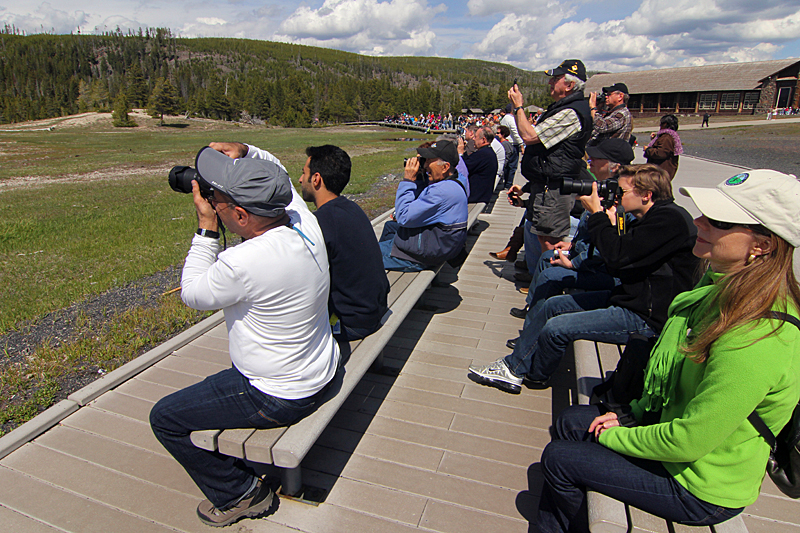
{"x":431,"y":220}
{"x":554,"y":149}
{"x":615,"y":122}
{"x":273,"y":288}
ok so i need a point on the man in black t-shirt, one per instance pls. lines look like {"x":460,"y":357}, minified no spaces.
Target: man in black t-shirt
{"x":358,"y":281}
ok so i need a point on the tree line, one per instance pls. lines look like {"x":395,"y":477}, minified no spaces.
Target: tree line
{"x":45,"y":76}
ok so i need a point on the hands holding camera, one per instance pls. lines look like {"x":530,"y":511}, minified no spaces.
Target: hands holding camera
{"x":593,"y":204}
{"x":411,"y":169}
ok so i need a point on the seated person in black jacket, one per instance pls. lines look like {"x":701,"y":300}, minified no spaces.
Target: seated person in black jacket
{"x":653,"y":260}
{"x":358,"y":281}
{"x":482,"y":166}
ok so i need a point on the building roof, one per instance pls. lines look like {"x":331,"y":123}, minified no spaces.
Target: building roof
{"x":727,"y":77}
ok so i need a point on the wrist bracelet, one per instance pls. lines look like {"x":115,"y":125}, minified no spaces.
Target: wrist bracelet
{"x":517,"y":109}
{"x":208,"y":233}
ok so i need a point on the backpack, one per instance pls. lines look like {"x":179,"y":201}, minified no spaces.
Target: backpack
{"x":627,"y":382}
{"x":783,"y":465}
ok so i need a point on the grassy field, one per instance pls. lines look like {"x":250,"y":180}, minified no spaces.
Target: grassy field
{"x":87,"y":208}
{"x":94,"y":209}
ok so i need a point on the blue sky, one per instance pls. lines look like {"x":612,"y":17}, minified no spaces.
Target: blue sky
{"x":531,"y":34}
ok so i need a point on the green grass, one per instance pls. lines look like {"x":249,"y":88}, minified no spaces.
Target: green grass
{"x":61,"y":241}
{"x":26,"y":389}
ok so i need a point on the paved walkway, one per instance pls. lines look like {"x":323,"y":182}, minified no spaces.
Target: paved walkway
{"x":427,"y":450}
{"x":713,"y":124}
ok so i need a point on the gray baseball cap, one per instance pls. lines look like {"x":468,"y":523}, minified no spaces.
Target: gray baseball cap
{"x":260,"y":187}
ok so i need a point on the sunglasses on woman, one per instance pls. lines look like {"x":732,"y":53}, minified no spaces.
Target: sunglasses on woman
{"x":758,"y":228}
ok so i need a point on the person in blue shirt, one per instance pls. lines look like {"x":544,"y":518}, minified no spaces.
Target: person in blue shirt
{"x":430,"y":224}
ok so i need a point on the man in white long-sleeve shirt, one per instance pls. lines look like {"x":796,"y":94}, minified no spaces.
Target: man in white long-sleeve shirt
{"x":273,"y":288}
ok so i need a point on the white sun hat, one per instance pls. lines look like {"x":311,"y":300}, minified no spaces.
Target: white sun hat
{"x":765,"y":197}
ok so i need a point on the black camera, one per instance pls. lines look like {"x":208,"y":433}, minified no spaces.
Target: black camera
{"x":607,"y":190}
{"x":180,"y":179}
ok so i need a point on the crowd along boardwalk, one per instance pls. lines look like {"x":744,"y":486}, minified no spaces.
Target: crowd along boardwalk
{"x":425,"y":450}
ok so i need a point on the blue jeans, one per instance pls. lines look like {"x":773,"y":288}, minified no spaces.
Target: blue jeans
{"x":395,"y":263}
{"x":511,"y":167}
{"x":573,"y":463}
{"x":225,"y":400}
{"x":550,"y":280}
{"x":562,"y":319}
{"x":533,"y":250}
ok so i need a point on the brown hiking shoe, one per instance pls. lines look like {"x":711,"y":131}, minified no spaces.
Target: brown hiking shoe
{"x":257,"y":502}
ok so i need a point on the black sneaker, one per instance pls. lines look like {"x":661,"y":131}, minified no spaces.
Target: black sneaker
{"x":523,"y":277}
{"x":512,"y":343}
{"x":521,"y":265}
{"x":257,"y":502}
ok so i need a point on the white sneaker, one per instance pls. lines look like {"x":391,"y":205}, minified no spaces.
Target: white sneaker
{"x":497,"y":374}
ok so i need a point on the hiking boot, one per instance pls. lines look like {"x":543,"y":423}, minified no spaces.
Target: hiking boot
{"x":253,"y":504}
{"x":497,"y":375}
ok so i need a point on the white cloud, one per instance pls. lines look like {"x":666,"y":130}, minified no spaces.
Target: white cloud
{"x":479,"y":8}
{"x":46,"y":18}
{"x":211,"y":21}
{"x":395,"y":27}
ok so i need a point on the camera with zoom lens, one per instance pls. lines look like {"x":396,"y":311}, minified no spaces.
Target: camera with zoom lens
{"x":180,"y":179}
{"x":607,"y":190}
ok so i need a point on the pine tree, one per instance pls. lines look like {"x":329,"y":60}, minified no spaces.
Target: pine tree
{"x":120,"y":116}
{"x":164,"y":100}
{"x":136,"y":86}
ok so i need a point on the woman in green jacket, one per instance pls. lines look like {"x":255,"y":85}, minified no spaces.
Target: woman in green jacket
{"x":719,"y":357}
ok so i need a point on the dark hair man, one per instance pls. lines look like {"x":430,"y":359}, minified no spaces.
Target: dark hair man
{"x":482,"y":167}
{"x":431,"y":221}
{"x":554,"y":150}
{"x":616,"y":122}
{"x":653,"y":261}
{"x":358,"y":280}
{"x":273,"y":288}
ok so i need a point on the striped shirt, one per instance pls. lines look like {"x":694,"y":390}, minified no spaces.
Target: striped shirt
{"x":555,"y":129}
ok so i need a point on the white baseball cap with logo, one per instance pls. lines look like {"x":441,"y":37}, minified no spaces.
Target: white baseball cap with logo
{"x":765,"y":197}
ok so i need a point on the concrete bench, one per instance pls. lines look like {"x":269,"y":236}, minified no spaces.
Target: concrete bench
{"x":285,"y":447}
{"x":594,"y":363}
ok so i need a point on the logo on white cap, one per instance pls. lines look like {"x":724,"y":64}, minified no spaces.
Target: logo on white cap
{"x":738,"y":179}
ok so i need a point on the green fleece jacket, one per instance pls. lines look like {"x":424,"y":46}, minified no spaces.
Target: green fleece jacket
{"x":704,"y":439}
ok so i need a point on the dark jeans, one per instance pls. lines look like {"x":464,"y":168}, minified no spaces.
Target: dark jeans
{"x":559,"y":320}
{"x":386,"y":242}
{"x":511,"y":166}
{"x":574,"y":463}
{"x":551,"y":280}
{"x":225,"y":400}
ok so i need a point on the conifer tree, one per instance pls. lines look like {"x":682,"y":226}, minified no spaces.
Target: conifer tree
{"x":164,"y":100}
{"x":120,"y":116}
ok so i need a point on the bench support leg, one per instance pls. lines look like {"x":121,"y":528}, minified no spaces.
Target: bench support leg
{"x":291,"y":481}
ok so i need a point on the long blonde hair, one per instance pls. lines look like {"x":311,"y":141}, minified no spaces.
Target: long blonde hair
{"x":747,"y":294}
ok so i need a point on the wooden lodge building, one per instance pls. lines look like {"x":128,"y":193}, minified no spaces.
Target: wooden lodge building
{"x":732,"y":88}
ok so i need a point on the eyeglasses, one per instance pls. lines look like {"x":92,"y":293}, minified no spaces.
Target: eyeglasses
{"x":757,"y":228}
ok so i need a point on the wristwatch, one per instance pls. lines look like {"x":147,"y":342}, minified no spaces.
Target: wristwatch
{"x":517,"y":109}
{"x":208,"y":233}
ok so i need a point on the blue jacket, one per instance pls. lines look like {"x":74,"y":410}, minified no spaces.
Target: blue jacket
{"x":433,"y":221}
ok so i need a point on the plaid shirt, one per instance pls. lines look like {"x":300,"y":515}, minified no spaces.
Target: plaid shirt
{"x":617,"y":123}
{"x":555,"y":129}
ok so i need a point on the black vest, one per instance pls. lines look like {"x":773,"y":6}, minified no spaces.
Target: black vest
{"x":565,"y":159}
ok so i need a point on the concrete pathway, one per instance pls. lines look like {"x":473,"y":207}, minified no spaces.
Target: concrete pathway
{"x":722,"y":124}
{"x":427,"y":450}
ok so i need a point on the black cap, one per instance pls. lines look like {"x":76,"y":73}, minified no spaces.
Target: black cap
{"x":261,"y":187}
{"x":569,"y":66}
{"x":615,"y":150}
{"x":509,"y":107}
{"x":444,"y":150}
{"x":621,"y":87}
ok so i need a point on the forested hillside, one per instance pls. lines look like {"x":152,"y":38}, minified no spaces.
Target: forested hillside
{"x":43,"y":76}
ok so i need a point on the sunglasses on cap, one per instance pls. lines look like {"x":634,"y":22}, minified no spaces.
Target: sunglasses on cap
{"x":757,"y":228}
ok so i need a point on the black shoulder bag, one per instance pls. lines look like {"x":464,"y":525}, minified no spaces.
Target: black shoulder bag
{"x":783,"y":465}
